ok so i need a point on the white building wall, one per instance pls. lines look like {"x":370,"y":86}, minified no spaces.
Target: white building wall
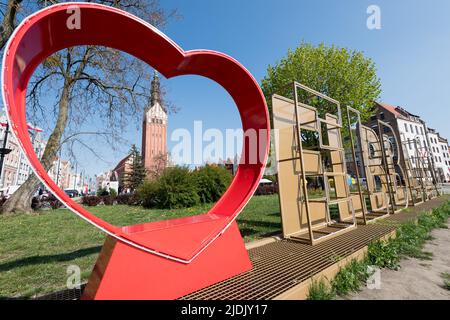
{"x":445,"y":160}
{"x":411,"y":130}
{"x":440,"y":154}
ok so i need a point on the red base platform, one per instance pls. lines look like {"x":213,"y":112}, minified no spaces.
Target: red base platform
{"x":124,"y":272}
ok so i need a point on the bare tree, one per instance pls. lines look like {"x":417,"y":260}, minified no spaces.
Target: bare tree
{"x":93,"y":85}
{"x":160,"y":162}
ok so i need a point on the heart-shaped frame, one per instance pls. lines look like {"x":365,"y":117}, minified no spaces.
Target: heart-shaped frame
{"x":46,"y":32}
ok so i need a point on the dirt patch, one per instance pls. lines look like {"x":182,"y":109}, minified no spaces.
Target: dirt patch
{"x":416,"y":279}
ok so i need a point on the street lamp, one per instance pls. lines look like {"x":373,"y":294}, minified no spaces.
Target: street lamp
{"x":4,"y":151}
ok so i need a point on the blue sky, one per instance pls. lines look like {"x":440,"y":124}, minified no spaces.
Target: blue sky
{"x":411,"y":51}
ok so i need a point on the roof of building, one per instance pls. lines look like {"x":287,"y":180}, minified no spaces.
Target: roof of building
{"x":392,"y":109}
{"x":402,"y":113}
{"x":399,"y":112}
{"x":122,"y":162}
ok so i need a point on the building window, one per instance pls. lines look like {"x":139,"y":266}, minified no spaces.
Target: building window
{"x":421,"y":130}
{"x":412,"y":130}
{"x":406,"y":127}
{"x":417,"y":130}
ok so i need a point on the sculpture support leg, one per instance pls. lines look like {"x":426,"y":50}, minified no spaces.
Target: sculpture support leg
{"x":124,"y":272}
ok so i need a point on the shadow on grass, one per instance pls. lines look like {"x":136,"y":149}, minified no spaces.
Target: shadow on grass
{"x":270,"y":226}
{"x":49,"y":258}
{"x":259,"y":229}
{"x":274,"y":214}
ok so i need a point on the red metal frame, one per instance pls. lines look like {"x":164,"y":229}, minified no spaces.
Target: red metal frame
{"x":45,"y":33}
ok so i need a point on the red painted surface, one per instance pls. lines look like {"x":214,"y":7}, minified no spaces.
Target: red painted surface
{"x":135,"y":274}
{"x":187,"y":239}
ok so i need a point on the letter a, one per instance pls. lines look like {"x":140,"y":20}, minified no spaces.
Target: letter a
{"x":74,"y":20}
{"x":374,"y":20}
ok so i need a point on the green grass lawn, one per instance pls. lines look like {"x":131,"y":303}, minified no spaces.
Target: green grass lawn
{"x":35,"y":250}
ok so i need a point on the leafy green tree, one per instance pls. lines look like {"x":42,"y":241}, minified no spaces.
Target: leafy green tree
{"x":343,"y":74}
{"x":175,"y":188}
{"x":136,"y":175}
{"x":211,"y":182}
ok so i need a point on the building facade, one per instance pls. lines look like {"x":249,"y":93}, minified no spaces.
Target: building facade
{"x":439,"y":149}
{"x":121,"y":170}
{"x":16,"y":170}
{"x":416,"y":139}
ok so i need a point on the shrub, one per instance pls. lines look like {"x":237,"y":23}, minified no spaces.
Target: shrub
{"x":102,"y":192}
{"x":56,"y":204}
{"x":2,"y":200}
{"x":351,"y":277}
{"x":320,"y":290}
{"x":50,"y":202}
{"x":35,"y":203}
{"x":174,"y":189}
{"x":148,"y":194}
{"x":131,"y":199}
{"x":107,"y":200}
{"x":90,"y":201}
{"x":112,"y":192}
{"x":211,"y":182}
{"x":384,"y":254}
{"x":446,"y":277}
{"x":266,"y":189}
{"x":410,"y":239}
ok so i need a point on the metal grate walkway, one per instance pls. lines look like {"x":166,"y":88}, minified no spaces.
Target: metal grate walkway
{"x":281,"y":265}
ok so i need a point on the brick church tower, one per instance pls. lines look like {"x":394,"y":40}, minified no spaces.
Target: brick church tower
{"x":154,"y":130}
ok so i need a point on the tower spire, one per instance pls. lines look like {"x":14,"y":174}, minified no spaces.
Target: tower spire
{"x":155,"y":93}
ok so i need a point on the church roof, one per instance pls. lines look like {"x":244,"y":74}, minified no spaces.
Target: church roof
{"x":122,"y":162}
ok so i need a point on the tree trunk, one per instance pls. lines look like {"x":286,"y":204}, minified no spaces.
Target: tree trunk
{"x":8,"y":24}
{"x":20,"y":201}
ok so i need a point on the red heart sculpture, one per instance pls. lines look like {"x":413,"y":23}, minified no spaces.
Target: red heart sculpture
{"x":46,"y":32}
